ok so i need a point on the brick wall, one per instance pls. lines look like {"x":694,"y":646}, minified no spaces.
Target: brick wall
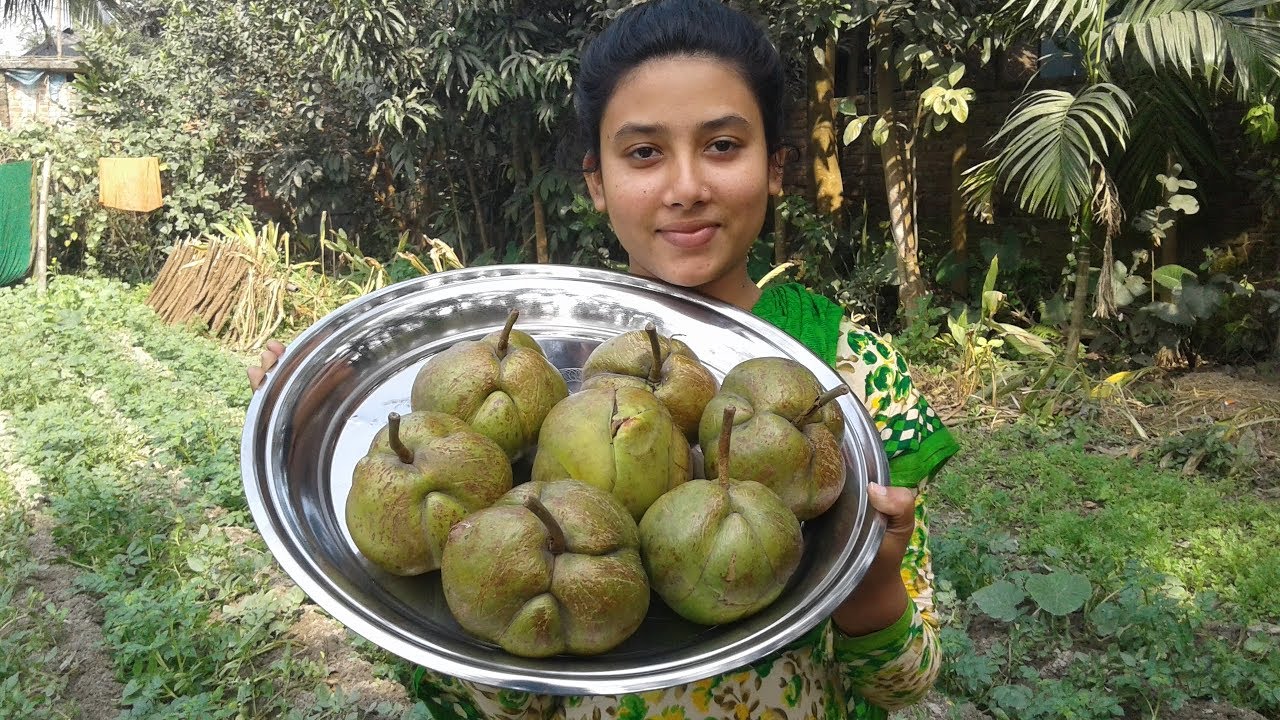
{"x":50,"y":100}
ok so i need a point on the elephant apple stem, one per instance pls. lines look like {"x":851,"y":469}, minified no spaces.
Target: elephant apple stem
{"x":506,"y":333}
{"x":655,"y":371}
{"x":822,"y":400}
{"x":722,"y":461}
{"x":556,"y":543}
{"x":393,"y":435}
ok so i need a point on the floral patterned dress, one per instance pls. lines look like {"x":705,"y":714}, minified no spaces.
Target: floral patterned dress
{"x":824,"y":675}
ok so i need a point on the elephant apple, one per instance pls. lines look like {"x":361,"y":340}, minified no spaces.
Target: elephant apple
{"x":620,"y":440}
{"x":502,"y":385}
{"x":786,"y":433}
{"x":551,"y":568}
{"x":664,"y":366}
{"x":720,"y":550}
{"x":423,"y":473}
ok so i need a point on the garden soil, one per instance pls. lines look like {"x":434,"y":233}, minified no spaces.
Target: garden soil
{"x":84,"y":662}
{"x":90,"y":676}
{"x":1244,"y":400}
{"x":88,"y":667}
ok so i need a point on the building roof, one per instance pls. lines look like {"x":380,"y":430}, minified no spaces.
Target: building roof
{"x":48,"y":48}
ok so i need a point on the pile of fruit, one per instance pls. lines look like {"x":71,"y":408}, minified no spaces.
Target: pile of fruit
{"x":565,"y":563}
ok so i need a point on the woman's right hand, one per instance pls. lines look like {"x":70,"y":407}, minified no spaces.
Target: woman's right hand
{"x":258,"y":373}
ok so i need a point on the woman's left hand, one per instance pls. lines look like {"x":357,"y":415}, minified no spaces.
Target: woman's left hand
{"x":881,"y":598}
{"x":898,"y":505}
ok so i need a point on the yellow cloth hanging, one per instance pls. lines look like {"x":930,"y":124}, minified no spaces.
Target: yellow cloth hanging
{"x":130,"y":183}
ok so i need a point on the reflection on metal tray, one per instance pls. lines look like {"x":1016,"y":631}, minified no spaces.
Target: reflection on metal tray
{"x":333,"y":388}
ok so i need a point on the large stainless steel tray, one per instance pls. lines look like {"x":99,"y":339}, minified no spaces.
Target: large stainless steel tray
{"x":332,"y":391}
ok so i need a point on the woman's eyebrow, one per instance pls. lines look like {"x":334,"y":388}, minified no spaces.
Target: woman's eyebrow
{"x":630,"y":129}
{"x":728,"y":121}
{"x":642,"y":130}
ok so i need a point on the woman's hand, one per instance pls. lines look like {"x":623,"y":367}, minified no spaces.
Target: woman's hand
{"x":898,"y":505}
{"x":258,"y":373}
{"x":881,"y":598}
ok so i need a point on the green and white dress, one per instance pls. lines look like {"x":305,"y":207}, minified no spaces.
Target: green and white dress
{"x":825,"y":675}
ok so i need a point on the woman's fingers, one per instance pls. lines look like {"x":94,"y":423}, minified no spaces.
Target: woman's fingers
{"x":258,"y":373}
{"x":256,"y":376}
{"x":898,"y":504}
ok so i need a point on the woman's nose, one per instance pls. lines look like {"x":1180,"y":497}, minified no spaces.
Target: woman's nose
{"x":687,"y":185}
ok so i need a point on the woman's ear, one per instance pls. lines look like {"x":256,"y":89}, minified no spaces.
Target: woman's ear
{"x":595,"y":184}
{"x":776,"y":163}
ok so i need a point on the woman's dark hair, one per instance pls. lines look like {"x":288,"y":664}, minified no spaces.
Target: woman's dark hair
{"x":666,"y":28}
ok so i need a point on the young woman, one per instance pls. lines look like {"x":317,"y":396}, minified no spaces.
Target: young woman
{"x":679,"y":106}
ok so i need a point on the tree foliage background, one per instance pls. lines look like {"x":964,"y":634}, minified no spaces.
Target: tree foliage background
{"x":400,"y":122}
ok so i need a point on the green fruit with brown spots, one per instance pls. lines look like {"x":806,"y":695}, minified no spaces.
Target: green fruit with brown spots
{"x":423,"y":473}
{"x":662,"y":365}
{"x":620,"y":440}
{"x":786,"y":432}
{"x":502,"y":385}
{"x":720,"y":550}
{"x":551,"y":568}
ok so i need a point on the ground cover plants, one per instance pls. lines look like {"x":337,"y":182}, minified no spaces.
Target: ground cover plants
{"x":1084,"y":585}
{"x":131,"y":431}
{"x":1075,"y":578}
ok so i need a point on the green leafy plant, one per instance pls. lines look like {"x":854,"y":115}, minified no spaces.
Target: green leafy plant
{"x":1061,"y":150}
{"x":1219,"y":448}
{"x":31,"y":685}
{"x":1057,"y":593}
{"x":145,"y":496}
{"x":1260,"y":123}
{"x":979,"y":339}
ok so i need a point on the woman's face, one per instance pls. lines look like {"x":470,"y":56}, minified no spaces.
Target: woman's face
{"x":684,"y":171}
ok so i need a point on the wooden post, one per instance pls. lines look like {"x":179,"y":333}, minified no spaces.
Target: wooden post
{"x":42,"y":229}
{"x":59,"y":11}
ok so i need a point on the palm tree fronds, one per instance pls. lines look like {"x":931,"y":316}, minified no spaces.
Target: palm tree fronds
{"x":979,"y":189}
{"x":1053,"y":139}
{"x":1051,"y":16}
{"x":1170,"y":120}
{"x":1198,"y":37}
{"x":82,"y":13}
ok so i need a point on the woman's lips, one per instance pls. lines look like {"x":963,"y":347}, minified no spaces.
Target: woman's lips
{"x":688,"y":237}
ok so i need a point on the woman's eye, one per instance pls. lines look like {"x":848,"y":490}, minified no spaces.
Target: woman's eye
{"x":644,"y":153}
{"x":723,"y":146}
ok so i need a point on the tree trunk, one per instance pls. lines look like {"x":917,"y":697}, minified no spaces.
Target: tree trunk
{"x":1083,"y":250}
{"x":959,"y":219}
{"x":58,"y":12}
{"x":481,"y":229}
{"x":539,"y":214}
{"x":898,"y":185}
{"x":823,"y":144}
{"x":519,"y":163}
{"x":457,"y":215}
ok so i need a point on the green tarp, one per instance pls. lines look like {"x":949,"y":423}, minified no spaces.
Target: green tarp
{"x":15,"y":221}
